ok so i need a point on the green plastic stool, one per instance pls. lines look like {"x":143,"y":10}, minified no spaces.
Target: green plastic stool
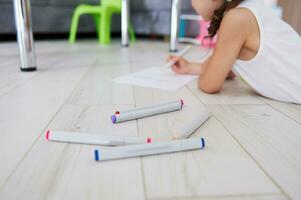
{"x":102,"y":15}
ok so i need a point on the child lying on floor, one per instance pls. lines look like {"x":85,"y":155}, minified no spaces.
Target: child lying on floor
{"x":252,"y":43}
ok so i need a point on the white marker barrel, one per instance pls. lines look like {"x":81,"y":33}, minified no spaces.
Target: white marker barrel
{"x":148,"y":149}
{"x":187,"y":129}
{"x":180,"y":54}
{"x":142,"y":112}
{"x":96,"y":139}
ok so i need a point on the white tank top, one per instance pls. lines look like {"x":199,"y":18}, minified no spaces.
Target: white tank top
{"x":275,"y":72}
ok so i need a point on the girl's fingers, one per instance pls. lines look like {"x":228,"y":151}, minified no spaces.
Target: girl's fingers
{"x":169,"y":58}
{"x":176,"y":69}
{"x":175,"y":58}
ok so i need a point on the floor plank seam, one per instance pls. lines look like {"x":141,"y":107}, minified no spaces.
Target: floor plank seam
{"x":28,"y":79}
{"x":285,"y":114}
{"x":73,"y":168}
{"x":207,"y":104}
{"x":97,"y":104}
{"x":241,"y":119}
{"x":44,"y":129}
{"x":192,"y":92}
{"x":143,"y":178}
{"x":220,"y":196}
{"x":141,"y":159}
{"x":16,"y":86}
{"x":254,"y":159}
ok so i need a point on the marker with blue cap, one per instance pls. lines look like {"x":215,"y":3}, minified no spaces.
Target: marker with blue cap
{"x":123,"y":152}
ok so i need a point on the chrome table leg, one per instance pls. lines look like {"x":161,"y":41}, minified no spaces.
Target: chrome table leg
{"x":125,"y":18}
{"x":24,"y":35}
{"x":174,"y":25}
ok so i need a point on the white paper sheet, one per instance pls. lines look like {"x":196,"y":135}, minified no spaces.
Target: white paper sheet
{"x":156,"y":77}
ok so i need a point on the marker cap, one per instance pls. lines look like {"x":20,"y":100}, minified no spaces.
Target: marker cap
{"x":113,"y":118}
{"x":182,"y":103}
{"x":47,"y":134}
{"x":96,"y":155}
{"x":202,"y":143}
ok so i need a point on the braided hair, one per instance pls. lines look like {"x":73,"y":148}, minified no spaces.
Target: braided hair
{"x":218,"y":15}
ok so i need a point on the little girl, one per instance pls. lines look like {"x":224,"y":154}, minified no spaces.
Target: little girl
{"x":252,"y":43}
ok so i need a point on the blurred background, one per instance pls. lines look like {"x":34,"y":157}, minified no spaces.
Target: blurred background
{"x":150,"y":18}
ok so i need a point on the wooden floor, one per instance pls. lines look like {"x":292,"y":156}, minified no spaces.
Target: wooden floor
{"x":253,"y":144}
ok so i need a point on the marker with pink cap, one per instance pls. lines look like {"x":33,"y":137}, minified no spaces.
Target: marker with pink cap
{"x":141,"y":112}
{"x":94,"y":139}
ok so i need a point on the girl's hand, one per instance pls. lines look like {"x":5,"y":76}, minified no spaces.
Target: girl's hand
{"x":181,"y":65}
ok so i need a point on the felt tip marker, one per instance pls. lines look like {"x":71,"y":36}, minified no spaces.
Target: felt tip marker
{"x":180,"y":54}
{"x":94,"y":139}
{"x":123,"y":152}
{"x":142,"y":112}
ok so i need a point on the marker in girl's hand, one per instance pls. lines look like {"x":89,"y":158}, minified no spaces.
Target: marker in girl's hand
{"x":181,"y":53}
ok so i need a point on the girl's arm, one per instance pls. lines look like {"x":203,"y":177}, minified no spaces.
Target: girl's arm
{"x":231,"y":38}
{"x":183,"y":66}
{"x":204,"y":66}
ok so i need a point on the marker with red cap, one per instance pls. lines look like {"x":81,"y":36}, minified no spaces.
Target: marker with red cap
{"x":95,"y":139}
{"x":141,"y":112}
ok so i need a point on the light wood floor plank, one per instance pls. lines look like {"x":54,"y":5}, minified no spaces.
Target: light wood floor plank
{"x":232,"y":92}
{"x":68,"y":171}
{"x":26,"y":111}
{"x":8,"y":49}
{"x":198,"y":172}
{"x":121,"y":179}
{"x":83,"y":117}
{"x":291,"y":110}
{"x":242,"y":197}
{"x":97,"y":87}
{"x":253,"y":144}
{"x":271,"y":138}
{"x":12,"y":78}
